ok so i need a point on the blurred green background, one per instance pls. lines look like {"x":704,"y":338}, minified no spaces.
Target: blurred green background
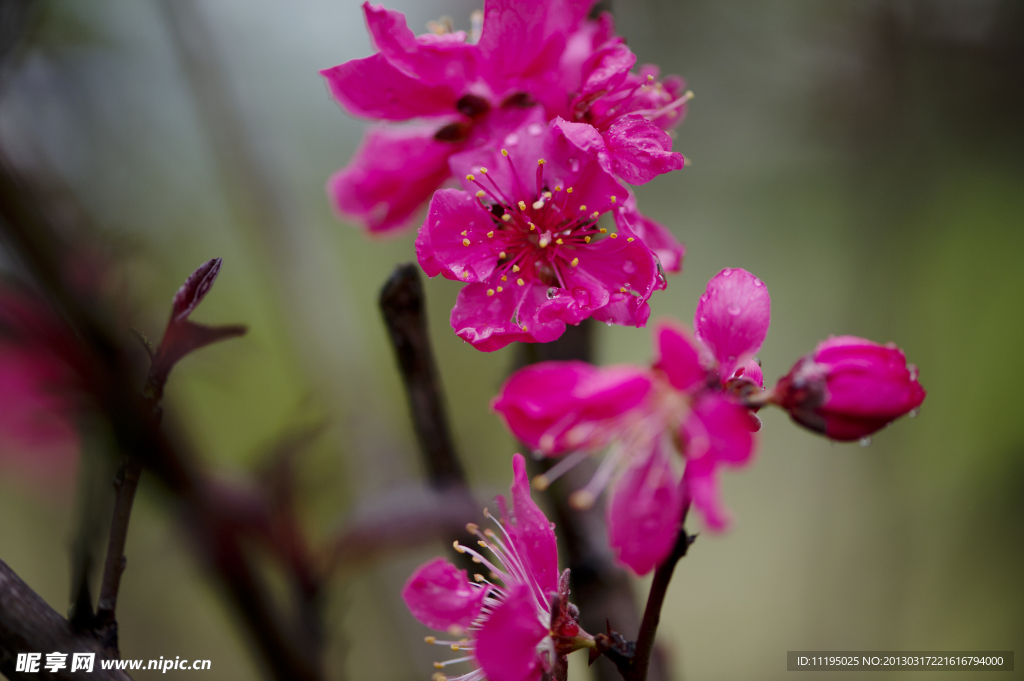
{"x":864,"y":158}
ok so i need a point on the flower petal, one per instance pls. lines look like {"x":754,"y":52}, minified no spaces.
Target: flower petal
{"x":679,"y":356}
{"x":441,"y":596}
{"x":490,"y":322}
{"x":532,"y":532}
{"x":700,"y":484}
{"x":391,"y":175}
{"x":640,"y":150}
{"x":645,"y":511}
{"x":719,"y":430}
{"x":613,"y":265}
{"x":373,"y":88}
{"x":732,"y":318}
{"x":454,"y":241}
{"x":655,"y":236}
{"x":506,"y":646}
{"x":446,"y":59}
{"x":555,"y":407}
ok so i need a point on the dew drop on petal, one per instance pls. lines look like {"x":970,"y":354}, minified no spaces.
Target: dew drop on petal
{"x":757,"y":283}
{"x":661,"y":279}
{"x":512,"y":139}
{"x":726,"y":272}
{"x":581,"y":296}
{"x":574,"y":165}
{"x":535,"y":129}
{"x":552,"y":293}
{"x":608,"y":323}
{"x":913,"y":413}
{"x":628,"y":267}
{"x":733,"y":310}
{"x":865,"y":441}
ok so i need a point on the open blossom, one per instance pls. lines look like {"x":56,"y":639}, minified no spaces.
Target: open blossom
{"x":850,"y":387}
{"x":689,"y":400}
{"x":525,"y":239}
{"x":467,"y":90}
{"x":513,"y":624}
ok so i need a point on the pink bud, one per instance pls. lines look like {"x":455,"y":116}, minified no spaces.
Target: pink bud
{"x":849,"y":388}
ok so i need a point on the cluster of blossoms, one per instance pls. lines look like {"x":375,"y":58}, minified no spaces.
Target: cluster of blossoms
{"x":514,"y":623}
{"x":699,"y":398}
{"x":540,"y":115}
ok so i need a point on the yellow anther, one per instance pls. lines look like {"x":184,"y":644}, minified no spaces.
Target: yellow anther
{"x":532,"y":226}
{"x":614,"y":235}
{"x":522,"y":205}
{"x":541,"y":161}
{"x":429,"y":639}
{"x":490,"y":291}
{"x":586,"y":239}
{"x":575,"y":261}
{"x":541,"y":483}
{"x":649,"y":78}
{"x":629,"y":239}
{"x":438,"y":665}
{"x":613,"y":199}
{"x":546,"y":195}
{"x":595,"y":215}
{"x":583,"y":207}
{"x":482,"y":543}
{"x":520,"y":281}
{"x":502,"y":255}
{"x":478,"y":577}
{"x":602,"y":230}
{"x":506,"y":217}
{"x":503,"y":278}
{"x":480,"y":193}
{"x":438,"y":676}
{"x":488,"y":532}
{"x":622,"y":290}
{"x":504,"y":152}
{"x":569,"y":190}
{"x":459,"y":549}
{"x":581,"y":500}
{"x":524,"y":328}
{"x":483,"y":170}
{"x":455,"y":646}
{"x":538,"y":204}
{"x":558,"y":241}
{"x":465,"y":242}
{"x":470,"y":178}
{"x":472,"y":528}
{"x":476,"y":559}
{"x":490,"y":235}
{"x":499,"y":288}
{"x":463,"y":232}
{"x":515,"y":268}
{"x":465,"y":274}
{"x":558,"y":187}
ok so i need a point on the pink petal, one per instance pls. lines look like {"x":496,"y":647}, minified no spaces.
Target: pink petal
{"x":580,"y":160}
{"x":392,"y":174}
{"x":506,"y":645}
{"x":624,"y":309}
{"x":645,"y":512}
{"x":700,"y":484}
{"x":640,"y":150}
{"x":373,"y":88}
{"x":441,"y":596}
{"x":609,"y":265}
{"x":679,"y":356}
{"x":431,"y":59}
{"x":532,"y":532}
{"x":732,"y":318}
{"x":559,"y":406}
{"x":454,"y":241}
{"x":490,"y":322}
{"x":719,"y":430}
{"x":602,"y":72}
{"x":654,"y":235}
{"x":750,"y":372}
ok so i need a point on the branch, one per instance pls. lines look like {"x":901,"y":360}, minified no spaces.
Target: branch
{"x":403,"y":305}
{"x":29,"y":625}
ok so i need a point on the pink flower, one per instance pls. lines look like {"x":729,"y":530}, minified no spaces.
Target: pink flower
{"x":520,"y":54}
{"x":506,"y":625}
{"x":527,"y":243}
{"x":690,"y":400}
{"x":40,"y":389}
{"x":850,"y":387}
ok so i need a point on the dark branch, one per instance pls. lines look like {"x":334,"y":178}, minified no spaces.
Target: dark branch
{"x":404,"y":308}
{"x":29,"y":625}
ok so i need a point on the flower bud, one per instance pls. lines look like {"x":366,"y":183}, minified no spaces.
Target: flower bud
{"x":849,"y":388}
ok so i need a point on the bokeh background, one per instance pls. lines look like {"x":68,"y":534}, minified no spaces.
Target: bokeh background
{"x":864,"y":158}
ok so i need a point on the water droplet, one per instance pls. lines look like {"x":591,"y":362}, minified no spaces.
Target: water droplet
{"x":703,"y":318}
{"x":608,"y":323}
{"x":733,"y":310}
{"x":582,"y":297}
{"x":552,"y":293}
{"x":535,"y":129}
{"x":628,"y":267}
{"x":913,"y":372}
{"x":661,"y":280}
{"x":913,"y":413}
{"x":757,"y":282}
{"x":726,"y":272}
{"x":512,"y":139}
{"x":865,"y":441}
{"x":574,"y":165}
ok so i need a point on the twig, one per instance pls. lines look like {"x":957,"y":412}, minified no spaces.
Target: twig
{"x":29,"y":625}
{"x":403,"y":305}
{"x":655,"y":601}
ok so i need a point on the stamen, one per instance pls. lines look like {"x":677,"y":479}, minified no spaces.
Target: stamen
{"x":465,"y":242}
{"x":522,"y":205}
{"x":630,"y":239}
{"x":564,"y":465}
{"x":521,"y":282}
{"x":576,"y":261}
{"x":515,"y":268}
{"x":490,"y":291}
{"x":490,"y":235}
{"x":612,"y":235}
{"x":502,"y":255}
